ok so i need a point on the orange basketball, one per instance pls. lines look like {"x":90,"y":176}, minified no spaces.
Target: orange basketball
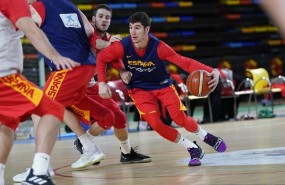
{"x":197,"y":83}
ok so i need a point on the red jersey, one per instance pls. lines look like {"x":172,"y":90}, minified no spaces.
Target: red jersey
{"x":117,"y":63}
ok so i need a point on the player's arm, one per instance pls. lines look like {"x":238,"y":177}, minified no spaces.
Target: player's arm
{"x":101,"y":44}
{"x":165,"y":52}
{"x":87,"y":25}
{"x":118,"y":64}
{"x":124,"y":74}
{"x":109,"y":54}
{"x":41,"y":43}
{"x":98,"y":44}
{"x":18,"y":12}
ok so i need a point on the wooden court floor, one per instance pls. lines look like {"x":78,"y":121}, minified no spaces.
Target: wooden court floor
{"x":255,"y":155}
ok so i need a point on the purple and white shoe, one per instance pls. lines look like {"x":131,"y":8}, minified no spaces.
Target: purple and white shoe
{"x":216,"y":142}
{"x":196,"y":154}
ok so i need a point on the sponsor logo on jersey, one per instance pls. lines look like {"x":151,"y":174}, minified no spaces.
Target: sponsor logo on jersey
{"x":70,"y":20}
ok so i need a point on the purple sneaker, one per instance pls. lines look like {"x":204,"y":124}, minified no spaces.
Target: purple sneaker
{"x":216,"y":142}
{"x":196,"y":154}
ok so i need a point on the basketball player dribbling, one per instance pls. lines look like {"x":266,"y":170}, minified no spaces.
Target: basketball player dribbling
{"x":144,"y":58}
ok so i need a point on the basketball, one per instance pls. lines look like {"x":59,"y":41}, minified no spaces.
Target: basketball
{"x":197,"y":83}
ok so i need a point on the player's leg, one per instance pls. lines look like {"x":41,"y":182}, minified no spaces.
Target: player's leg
{"x":120,"y":128}
{"x":6,"y":138}
{"x":69,"y":117}
{"x":52,"y":114}
{"x":95,"y":110}
{"x":62,"y":86}
{"x":105,"y":119}
{"x":46,"y":132}
{"x":27,"y":103}
{"x":176,"y":110}
{"x":128,"y":154}
{"x":146,"y":102}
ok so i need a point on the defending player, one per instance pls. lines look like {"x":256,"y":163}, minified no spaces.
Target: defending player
{"x":108,"y":107}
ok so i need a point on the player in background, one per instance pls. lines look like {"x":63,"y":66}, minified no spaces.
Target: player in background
{"x":144,"y":58}
{"x":19,"y":98}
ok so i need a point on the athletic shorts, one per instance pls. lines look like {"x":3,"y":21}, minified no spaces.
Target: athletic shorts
{"x":19,"y":98}
{"x":68,"y":87}
{"x":147,"y":101}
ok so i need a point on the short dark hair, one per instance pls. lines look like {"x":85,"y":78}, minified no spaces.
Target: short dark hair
{"x":102,"y":6}
{"x":140,"y":17}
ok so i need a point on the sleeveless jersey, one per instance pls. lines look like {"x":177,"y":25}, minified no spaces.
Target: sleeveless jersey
{"x":149,"y":71}
{"x":65,"y":30}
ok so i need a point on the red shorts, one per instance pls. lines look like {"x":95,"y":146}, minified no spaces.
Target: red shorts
{"x":20,"y":98}
{"x":146,"y":101}
{"x":69,"y":88}
{"x":147,"y":105}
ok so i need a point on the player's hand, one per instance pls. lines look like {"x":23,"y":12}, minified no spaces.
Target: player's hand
{"x":126,"y":76}
{"x":215,"y":79}
{"x":64,"y":63}
{"x":104,"y":91}
{"x":115,"y":38}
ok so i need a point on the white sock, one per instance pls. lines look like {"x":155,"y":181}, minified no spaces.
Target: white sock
{"x":202,"y":133}
{"x":41,"y":163}
{"x":91,"y":136}
{"x":186,"y":143}
{"x":87,"y":144}
{"x":93,"y":139}
{"x":125,"y":146}
{"x":2,"y":170}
